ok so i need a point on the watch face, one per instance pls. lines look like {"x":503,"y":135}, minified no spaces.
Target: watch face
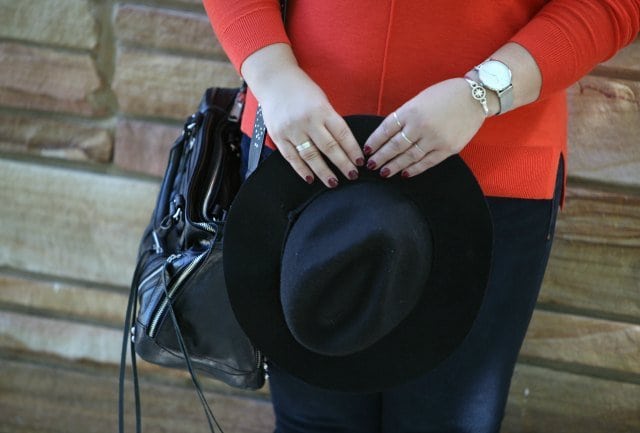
{"x":494,"y":75}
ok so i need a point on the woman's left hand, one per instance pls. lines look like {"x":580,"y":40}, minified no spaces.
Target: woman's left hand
{"x":435,"y":124}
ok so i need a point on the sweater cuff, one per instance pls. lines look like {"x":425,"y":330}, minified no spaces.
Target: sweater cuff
{"x":251,"y":32}
{"x":554,"y":53}
{"x":567,"y":38}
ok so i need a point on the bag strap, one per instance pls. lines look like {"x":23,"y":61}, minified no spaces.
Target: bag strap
{"x":257,"y":141}
{"x":259,"y":129}
{"x":128,"y":341}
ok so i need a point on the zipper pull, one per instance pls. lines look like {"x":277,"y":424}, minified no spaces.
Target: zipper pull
{"x":157,"y":247}
{"x":176,"y":206}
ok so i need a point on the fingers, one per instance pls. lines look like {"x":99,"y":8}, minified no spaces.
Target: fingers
{"x":430,"y":160}
{"x":412,"y":156}
{"x":396,"y":148}
{"x":392,"y":143}
{"x":289,"y":152}
{"x":340,"y":131}
{"x":311,"y":157}
{"x":390,"y":127}
{"x":337,"y":143}
{"x":308,"y":145}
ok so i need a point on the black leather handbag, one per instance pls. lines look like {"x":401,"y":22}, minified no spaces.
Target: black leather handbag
{"x":178,"y":313}
{"x":179,"y":270}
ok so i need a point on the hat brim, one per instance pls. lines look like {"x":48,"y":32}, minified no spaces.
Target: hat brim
{"x":453,"y":204}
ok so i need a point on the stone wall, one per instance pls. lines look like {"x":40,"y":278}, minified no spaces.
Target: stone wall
{"x":93,"y":93}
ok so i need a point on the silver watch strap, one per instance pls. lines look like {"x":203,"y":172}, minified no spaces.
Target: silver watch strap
{"x":506,"y":99}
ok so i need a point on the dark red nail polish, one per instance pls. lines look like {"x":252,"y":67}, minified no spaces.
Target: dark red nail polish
{"x":366,"y":150}
{"x":333,"y":182}
{"x":309,"y":179}
{"x":360,"y":162}
{"x":353,"y":174}
{"x":405,"y":174}
{"x":385,"y":172}
{"x":371,"y":165}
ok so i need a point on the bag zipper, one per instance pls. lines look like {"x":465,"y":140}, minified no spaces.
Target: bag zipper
{"x":210,"y":227}
{"x":259,"y":361}
{"x":171,"y":290}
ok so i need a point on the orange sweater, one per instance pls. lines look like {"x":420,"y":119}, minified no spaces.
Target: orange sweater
{"x":371,"y":56}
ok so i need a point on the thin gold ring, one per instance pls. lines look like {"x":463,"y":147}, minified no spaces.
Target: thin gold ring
{"x":304,"y":146}
{"x":406,"y":138}
{"x":395,"y":116}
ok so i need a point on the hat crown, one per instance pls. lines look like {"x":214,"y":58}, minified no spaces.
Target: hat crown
{"x":354,"y":264}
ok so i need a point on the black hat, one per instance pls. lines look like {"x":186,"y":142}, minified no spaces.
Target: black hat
{"x":363,"y":286}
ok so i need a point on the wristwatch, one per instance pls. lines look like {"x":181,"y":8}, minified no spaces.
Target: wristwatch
{"x":496,"y":76}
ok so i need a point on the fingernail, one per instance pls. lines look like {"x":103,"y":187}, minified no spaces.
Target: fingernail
{"x":371,"y":165}
{"x":405,"y":174}
{"x":366,"y":150}
{"x":360,"y":162}
{"x":333,"y":182}
{"x":353,"y":174}
{"x":385,"y":172}
{"x":309,"y":179}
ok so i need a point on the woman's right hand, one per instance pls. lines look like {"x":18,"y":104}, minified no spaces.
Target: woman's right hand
{"x":299,"y":118}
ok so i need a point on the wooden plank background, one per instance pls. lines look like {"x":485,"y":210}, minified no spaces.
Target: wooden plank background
{"x":92,"y":94}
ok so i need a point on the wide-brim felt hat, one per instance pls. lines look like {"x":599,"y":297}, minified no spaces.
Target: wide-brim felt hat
{"x":360,"y":287}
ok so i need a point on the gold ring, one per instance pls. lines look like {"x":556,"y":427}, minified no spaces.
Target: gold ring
{"x":395,"y":116}
{"x":304,"y":146}
{"x":406,"y":138}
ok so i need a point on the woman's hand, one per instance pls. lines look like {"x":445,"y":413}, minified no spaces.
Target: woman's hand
{"x":301,"y":122}
{"x":435,"y":124}
{"x":304,"y":127}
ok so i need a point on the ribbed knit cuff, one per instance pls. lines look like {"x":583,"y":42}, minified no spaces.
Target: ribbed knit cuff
{"x":554,"y":53}
{"x":251,"y":32}
{"x":569,"y":38}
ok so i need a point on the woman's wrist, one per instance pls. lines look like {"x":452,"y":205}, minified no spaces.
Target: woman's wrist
{"x":267,"y":64}
{"x":526,"y":79}
{"x":492,"y":101}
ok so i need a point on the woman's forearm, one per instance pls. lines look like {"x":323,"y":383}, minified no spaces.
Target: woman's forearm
{"x":268,"y":63}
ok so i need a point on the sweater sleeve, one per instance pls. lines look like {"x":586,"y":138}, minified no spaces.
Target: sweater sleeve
{"x":245,"y":26}
{"x":568,"y":38}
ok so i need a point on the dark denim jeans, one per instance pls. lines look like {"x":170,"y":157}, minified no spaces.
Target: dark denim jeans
{"x":468,"y":392}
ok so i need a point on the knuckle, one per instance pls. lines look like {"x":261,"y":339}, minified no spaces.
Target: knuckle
{"x":342,"y":133}
{"x":394,"y":145}
{"x":288,"y":153}
{"x":412,"y":112}
{"x":432,"y":160}
{"x":329,"y":146}
{"x":386,"y":129}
